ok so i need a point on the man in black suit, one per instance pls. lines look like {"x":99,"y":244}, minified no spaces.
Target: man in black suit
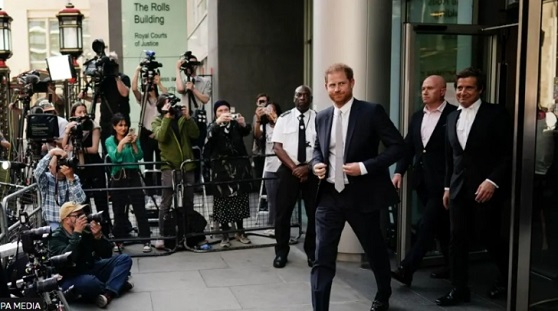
{"x":479,"y":150}
{"x":425,"y":152}
{"x":354,"y":184}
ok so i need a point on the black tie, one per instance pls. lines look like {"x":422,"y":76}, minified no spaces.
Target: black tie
{"x":301,"y":140}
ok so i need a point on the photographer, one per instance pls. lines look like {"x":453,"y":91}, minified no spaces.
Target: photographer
{"x":113,"y":94}
{"x":230,"y":168}
{"x":124,"y":147}
{"x":174,"y":129}
{"x":57,"y":184}
{"x":200,"y":87}
{"x":95,"y":274}
{"x":82,"y":137}
{"x":147,"y":137}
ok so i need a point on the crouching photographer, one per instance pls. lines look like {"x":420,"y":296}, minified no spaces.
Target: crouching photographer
{"x":57,"y":184}
{"x":95,"y":274}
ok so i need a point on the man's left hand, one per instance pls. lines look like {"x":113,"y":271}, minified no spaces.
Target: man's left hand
{"x":301,"y":172}
{"x":96,"y":229}
{"x":351,"y":169}
{"x":485,"y":191}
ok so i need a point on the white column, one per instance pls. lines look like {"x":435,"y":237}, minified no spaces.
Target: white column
{"x":357,"y":33}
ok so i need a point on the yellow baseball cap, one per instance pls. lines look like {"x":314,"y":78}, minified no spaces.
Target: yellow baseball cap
{"x":70,"y":207}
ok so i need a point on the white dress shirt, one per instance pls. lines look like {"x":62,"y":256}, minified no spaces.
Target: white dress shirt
{"x":465,"y":121}
{"x":286,"y":133}
{"x":429,"y":121}
{"x":345,"y":114}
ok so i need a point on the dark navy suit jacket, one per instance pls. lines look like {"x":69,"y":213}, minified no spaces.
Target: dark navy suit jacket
{"x":368,"y":125}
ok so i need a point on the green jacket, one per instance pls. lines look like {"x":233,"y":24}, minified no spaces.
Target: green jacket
{"x":175,"y":150}
{"x":86,"y":250}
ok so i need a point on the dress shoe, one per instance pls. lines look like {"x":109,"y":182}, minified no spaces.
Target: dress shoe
{"x":310,"y":262}
{"x":497,"y":291}
{"x":454,"y":297}
{"x":280,"y":261}
{"x":403,"y":275}
{"x":443,"y":273}
{"x":378,"y":305}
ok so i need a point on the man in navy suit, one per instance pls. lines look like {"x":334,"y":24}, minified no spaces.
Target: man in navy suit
{"x":425,"y":154}
{"x":478,"y":164}
{"x":354,"y":183}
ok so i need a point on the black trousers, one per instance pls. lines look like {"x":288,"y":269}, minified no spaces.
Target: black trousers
{"x":479,"y":221}
{"x":91,"y":178}
{"x":331,"y":214}
{"x":150,"y":146}
{"x":435,"y":224}
{"x":288,"y":192}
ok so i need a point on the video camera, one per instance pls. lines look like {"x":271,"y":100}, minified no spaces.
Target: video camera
{"x":76,"y":131}
{"x":188,"y":66}
{"x":149,"y":66}
{"x":101,"y":65}
{"x":32,"y":84}
{"x":176,"y":108}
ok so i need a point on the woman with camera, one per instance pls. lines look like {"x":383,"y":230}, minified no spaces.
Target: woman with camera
{"x":263,"y":131}
{"x":124,"y":147}
{"x":82,"y":136}
{"x":147,"y":99}
{"x":231,"y":170}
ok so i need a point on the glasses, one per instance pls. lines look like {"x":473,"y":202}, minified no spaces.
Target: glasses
{"x":75,"y":215}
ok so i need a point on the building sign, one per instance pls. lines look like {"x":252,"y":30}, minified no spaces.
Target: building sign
{"x":159,"y":26}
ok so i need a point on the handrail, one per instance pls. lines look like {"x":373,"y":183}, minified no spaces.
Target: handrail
{"x":4,"y":210}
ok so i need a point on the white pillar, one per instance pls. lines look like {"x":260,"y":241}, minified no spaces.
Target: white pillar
{"x":357,"y":33}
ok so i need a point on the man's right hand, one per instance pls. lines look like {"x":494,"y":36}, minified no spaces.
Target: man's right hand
{"x":80,"y":224}
{"x":446,"y":199}
{"x":179,"y":64}
{"x":396,"y":180}
{"x":320,"y":170}
{"x":57,"y":152}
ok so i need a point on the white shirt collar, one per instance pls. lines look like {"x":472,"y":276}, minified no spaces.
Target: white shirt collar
{"x":439,"y":109}
{"x":347,"y":107}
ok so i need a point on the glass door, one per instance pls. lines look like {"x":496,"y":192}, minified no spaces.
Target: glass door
{"x":434,"y":49}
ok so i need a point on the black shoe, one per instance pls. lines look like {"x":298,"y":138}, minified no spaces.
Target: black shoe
{"x":280,"y":261}
{"x":454,"y":297}
{"x":403,"y":275}
{"x":311,"y":262}
{"x":378,"y":305}
{"x":497,"y":291}
{"x":443,"y":273}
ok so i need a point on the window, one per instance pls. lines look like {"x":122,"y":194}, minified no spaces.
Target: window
{"x":44,"y":40}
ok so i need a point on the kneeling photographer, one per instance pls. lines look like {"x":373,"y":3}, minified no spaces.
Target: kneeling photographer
{"x":81,"y":138}
{"x":57,"y":184}
{"x":174,"y":129}
{"x":95,"y":274}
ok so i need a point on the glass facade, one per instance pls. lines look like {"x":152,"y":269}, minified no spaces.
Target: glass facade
{"x":441,"y":11}
{"x":543,"y":285}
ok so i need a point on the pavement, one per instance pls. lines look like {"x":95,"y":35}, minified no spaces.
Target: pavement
{"x":244,"y":279}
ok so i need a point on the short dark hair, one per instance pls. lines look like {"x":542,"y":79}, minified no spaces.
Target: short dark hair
{"x":263,"y":95}
{"x":474,"y":73}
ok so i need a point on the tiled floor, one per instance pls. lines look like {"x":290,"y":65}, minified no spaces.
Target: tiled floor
{"x":245,"y":280}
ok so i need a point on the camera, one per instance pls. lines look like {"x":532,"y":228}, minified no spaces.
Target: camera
{"x":176,"y":108}
{"x":188,"y":65}
{"x":101,"y":65}
{"x":28,"y":238}
{"x":149,"y":66}
{"x":71,"y":162}
{"x":97,"y":217}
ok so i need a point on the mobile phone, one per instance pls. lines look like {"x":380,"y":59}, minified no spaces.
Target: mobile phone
{"x":131,"y":131}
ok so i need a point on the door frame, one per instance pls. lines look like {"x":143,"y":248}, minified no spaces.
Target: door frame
{"x":408,"y":85}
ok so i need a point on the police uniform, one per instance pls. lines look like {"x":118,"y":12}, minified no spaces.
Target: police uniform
{"x":286,"y":132}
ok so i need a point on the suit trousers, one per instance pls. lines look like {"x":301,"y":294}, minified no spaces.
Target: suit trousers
{"x":288,"y":190}
{"x":479,"y":221}
{"x":435,"y":223}
{"x":331,"y":214}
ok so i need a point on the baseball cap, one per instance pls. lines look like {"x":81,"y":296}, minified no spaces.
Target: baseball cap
{"x":46,"y":105}
{"x":70,"y":207}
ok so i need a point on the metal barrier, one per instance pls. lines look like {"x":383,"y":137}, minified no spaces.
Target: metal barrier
{"x":29,"y":200}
